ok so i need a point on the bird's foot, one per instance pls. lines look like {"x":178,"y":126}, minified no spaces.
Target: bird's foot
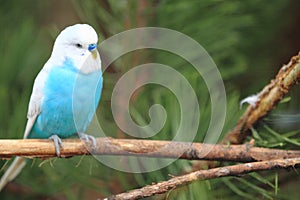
{"x":88,"y":138}
{"x":57,"y":143}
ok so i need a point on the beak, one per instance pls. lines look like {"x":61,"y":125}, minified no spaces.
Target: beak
{"x":93,"y":49}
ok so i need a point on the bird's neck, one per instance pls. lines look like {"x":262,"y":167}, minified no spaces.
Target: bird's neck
{"x":84,"y":64}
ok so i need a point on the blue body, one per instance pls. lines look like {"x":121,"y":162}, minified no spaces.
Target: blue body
{"x":69,"y":103}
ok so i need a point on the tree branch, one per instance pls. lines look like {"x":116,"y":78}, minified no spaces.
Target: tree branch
{"x":234,"y":170}
{"x":147,"y":148}
{"x":268,"y":98}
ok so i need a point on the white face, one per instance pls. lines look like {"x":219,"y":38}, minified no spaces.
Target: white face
{"x":78,"y":43}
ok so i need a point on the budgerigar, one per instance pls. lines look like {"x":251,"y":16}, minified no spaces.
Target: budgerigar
{"x":66,"y":92}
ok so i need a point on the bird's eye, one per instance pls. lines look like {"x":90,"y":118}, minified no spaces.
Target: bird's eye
{"x":78,"y":45}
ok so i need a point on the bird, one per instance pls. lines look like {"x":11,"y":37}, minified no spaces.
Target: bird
{"x":66,"y":93}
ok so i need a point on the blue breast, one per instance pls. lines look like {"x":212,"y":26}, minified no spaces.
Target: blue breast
{"x":70,"y":101}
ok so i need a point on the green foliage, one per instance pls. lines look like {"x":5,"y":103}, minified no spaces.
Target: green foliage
{"x":238,"y":35}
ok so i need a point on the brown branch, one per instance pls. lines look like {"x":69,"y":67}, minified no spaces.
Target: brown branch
{"x":268,"y":98}
{"x":234,"y":170}
{"x":287,"y":77}
{"x":147,"y":148}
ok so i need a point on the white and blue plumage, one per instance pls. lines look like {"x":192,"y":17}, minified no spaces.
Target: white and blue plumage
{"x":66,"y":92}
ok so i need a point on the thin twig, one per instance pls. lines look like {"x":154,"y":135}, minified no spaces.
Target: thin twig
{"x":146,"y":148}
{"x":268,"y":98}
{"x":235,"y":170}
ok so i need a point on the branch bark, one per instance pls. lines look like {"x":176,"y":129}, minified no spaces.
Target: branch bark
{"x":287,"y":77}
{"x":147,"y":148}
{"x":234,"y":170}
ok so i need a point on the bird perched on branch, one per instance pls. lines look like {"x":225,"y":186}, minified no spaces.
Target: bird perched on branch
{"x":65,"y":94}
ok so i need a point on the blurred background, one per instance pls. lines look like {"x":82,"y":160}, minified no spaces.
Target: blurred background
{"x":248,"y":40}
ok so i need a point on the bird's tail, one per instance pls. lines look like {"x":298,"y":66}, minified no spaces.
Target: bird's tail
{"x":13,"y":170}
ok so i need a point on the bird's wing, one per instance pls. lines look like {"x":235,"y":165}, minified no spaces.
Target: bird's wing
{"x":29,"y":125}
{"x":35,"y":101}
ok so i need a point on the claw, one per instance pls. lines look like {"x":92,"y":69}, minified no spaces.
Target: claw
{"x":57,"y":143}
{"x":88,"y":138}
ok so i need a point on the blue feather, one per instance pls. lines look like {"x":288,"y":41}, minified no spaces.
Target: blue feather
{"x":70,"y":101}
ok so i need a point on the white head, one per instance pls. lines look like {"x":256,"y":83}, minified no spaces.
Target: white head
{"x":78,"y":43}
